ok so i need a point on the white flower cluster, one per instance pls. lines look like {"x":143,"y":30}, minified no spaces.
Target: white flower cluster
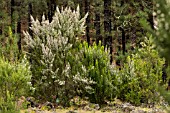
{"x":83,"y":80}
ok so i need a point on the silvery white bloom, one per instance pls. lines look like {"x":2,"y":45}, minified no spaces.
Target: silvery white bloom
{"x":50,"y":43}
{"x":61,"y":83}
{"x":29,"y":83}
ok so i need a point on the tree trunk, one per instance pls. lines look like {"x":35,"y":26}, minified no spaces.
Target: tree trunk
{"x":54,"y":5}
{"x":30,"y":12}
{"x":123,"y":41}
{"x":19,"y":32}
{"x":107,"y":25}
{"x":150,"y":15}
{"x":12,"y":12}
{"x":97,"y":27}
{"x":81,"y":5}
{"x":87,"y":9}
{"x":51,"y":9}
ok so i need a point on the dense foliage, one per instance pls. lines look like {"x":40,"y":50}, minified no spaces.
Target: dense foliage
{"x":62,"y":66}
{"x":15,"y":81}
{"x":65,"y":68}
{"x":58,"y":64}
{"x":141,"y":75}
{"x":162,"y":34}
{"x":51,"y":47}
{"x":9,"y":47}
{"x":96,"y":59}
{"x":15,"y":74}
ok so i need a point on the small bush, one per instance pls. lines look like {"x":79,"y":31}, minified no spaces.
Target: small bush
{"x":8,"y":46}
{"x":15,"y":80}
{"x":8,"y":106}
{"x":15,"y":75}
{"x":141,"y":75}
{"x":97,"y":62}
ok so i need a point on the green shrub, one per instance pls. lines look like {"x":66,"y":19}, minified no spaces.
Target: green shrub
{"x":8,"y":106}
{"x":96,"y":59}
{"x":15,"y":75}
{"x":14,"y":82}
{"x":8,"y":46}
{"x":141,"y":75}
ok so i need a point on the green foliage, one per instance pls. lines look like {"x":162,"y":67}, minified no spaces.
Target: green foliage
{"x":165,"y":94}
{"x":8,"y":106}
{"x":141,"y":75}
{"x":15,"y":75}
{"x":163,"y":24}
{"x":97,"y":62}
{"x":63,"y":67}
{"x":5,"y":19}
{"x":9,"y":47}
{"x":14,"y":82}
{"x":126,"y":16}
{"x":161,"y":34}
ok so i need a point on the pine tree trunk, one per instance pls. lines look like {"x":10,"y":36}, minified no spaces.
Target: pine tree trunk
{"x":30,"y":12}
{"x":12,"y":12}
{"x":97,"y":27}
{"x":81,"y":5}
{"x":107,"y":25}
{"x":150,"y":15}
{"x":51,"y":9}
{"x":54,"y":5}
{"x":87,"y":9}
{"x":123,"y":41}
{"x":19,"y":32}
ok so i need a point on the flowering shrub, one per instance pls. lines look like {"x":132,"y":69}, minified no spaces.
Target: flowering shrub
{"x":55,"y":61}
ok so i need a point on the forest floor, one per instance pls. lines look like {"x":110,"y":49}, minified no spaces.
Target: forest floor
{"x":136,"y":110}
{"x":112,"y":107}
